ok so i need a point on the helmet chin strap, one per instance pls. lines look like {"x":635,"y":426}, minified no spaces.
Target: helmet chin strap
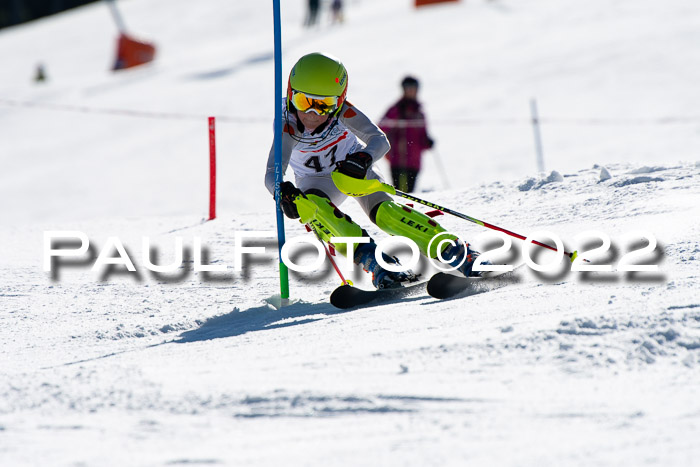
{"x":319,"y":128}
{"x":322,"y":126}
{"x":327,"y":125}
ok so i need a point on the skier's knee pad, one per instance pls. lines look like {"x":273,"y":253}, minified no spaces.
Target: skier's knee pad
{"x":327,"y":220}
{"x":397,"y":219}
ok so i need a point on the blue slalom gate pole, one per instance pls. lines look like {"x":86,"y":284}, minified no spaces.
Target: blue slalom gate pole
{"x":284,"y":273}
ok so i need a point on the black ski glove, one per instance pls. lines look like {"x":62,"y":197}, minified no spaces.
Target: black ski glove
{"x":355,"y":165}
{"x":288,"y":193}
{"x":430,"y":142}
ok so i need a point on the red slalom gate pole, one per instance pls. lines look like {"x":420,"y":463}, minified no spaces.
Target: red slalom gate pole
{"x":212,"y":168}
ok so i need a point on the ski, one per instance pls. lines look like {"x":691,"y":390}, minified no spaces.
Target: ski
{"x":443,"y":285}
{"x":348,"y":296}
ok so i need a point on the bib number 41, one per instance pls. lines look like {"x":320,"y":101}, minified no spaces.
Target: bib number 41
{"x":314,"y":162}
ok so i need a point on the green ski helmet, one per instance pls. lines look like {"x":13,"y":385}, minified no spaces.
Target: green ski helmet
{"x":318,"y":83}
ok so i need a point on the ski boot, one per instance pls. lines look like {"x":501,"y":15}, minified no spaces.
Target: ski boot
{"x":381,"y":278}
{"x":457,"y":252}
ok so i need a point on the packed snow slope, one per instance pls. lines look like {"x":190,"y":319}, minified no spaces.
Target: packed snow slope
{"x":140,"y":368}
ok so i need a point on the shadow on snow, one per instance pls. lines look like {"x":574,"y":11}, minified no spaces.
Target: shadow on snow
{"x":261,"y":318}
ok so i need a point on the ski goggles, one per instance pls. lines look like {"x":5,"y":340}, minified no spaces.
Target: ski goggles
{"x":322,"y":105}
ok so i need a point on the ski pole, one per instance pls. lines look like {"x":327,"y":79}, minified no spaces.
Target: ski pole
{"x":360,"y":187}
{"x":329,"y":256}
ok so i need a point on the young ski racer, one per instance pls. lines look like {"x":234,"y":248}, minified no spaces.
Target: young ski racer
{"x":324,"y":132}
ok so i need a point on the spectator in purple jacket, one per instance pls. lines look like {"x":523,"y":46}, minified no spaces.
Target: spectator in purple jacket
{"x":404,"y":125}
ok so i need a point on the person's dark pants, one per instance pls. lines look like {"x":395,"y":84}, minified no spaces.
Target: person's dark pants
{"x":404,"y":179}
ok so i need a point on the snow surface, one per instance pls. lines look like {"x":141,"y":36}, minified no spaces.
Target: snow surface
{"x":196,"y":368}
